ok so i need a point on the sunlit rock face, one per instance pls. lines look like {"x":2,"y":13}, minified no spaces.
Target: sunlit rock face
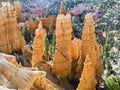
{"x":90,"y":47}
{"x":62,"y":8}
{"x":11,"y":39}
{"x":6,"y":6}
{"x":38,"y":49}
{"x":88,"y":80}
{"x":18,"y":9}
{"x":63,"y":55}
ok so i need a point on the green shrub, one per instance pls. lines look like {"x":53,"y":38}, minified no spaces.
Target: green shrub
{"x":111,"y":83}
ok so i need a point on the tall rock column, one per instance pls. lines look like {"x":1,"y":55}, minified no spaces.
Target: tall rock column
{"x":18,"y":9}
{"x":90,"y":47}
{"x":63,"y":55}
{"x":11,"y":40}
{"x":38,"y":49}
{"x":88,"y":80}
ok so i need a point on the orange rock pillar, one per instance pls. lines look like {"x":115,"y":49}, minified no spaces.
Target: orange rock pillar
{"x":11,"y":40}
{"x":18,"y":9}
{"x":88,"y":80}
{"x":38,"y":50}
{"x":63,"y":55}
{"x":90,"y":47}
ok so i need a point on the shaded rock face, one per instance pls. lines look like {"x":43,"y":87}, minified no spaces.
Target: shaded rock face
{"x":11,"y":39}
{"x":89,"y":47}
{"x":38,"y":45}
{"x":63,"y":55}
{"x":11,"y":59}
{"x":49,"y":24}
{"x":88,"y":80}
{"x":32,"y":25}
{"x":76,"y":54}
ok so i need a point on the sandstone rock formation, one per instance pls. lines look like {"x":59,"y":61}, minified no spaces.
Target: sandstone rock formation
{"x":38,"y":45}
{"x":24,"y":79}
{"x":62,"y":8}
{"x":63,"y":55}
{"x":88,"y":80}
{"x":11,"y":59}
{"x":11,"y":39}
{"x":18,"y":9}
{"x":32,"y":25}
{"x":76,"y":48}
{"x":90,"y":47}
{"x":49,"y":24}
{"x":76,"y":54}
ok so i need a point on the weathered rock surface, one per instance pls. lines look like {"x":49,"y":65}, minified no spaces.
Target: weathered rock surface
{"x":24,"y":79}
{"x":88,"y":80}
{"x":32,"y":25}
{"x":76,"y":54}
{"x":63,"y":55}
{"x":11,"y":59}
{"x":76,"y":48}
{"x":11,"y":39}
{"x":62,"y":8}
{"x":38,"y":45}
{"x":89,"y":47}
{"x":49,"y":24}
{"x":18,"y":9}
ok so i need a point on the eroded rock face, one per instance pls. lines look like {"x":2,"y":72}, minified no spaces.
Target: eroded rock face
{"x":88,"y":80}
{"x":63,"y":55}
{"x":11,"y":39}
{"x":11,"y":59}
{"x":62,"y":8}
{"x":89,"y":47}
{"x":76,"y":54}
{"x":18,"y":9}
{"x":38,"y":49}
{"x":32,"y":25}
{"x":23,"y":78}
{"x":49,"y":24}
{"x":76,"y":48}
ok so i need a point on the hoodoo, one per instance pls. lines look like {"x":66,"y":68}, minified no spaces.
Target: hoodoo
{"x":38,"y":45}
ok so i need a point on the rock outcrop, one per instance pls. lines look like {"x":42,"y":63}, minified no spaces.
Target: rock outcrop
{"x":38,"y":45}
{"x":18,"y":9}
{"x":32,"y":25}
{"x":76,"y":54}
{"x":11,"y":59}
{"x":89,"y":47}
{"x":49,"y":24}
{"x":88,"y":80}
{"x":11,"y":39}
{"x":23,"y":79}
{"x":63,"y":55}
{"x":62,"y":8}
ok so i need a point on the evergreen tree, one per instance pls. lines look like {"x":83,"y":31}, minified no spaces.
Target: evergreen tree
{"x":111,"y":83}
{"x":46,"y":48}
